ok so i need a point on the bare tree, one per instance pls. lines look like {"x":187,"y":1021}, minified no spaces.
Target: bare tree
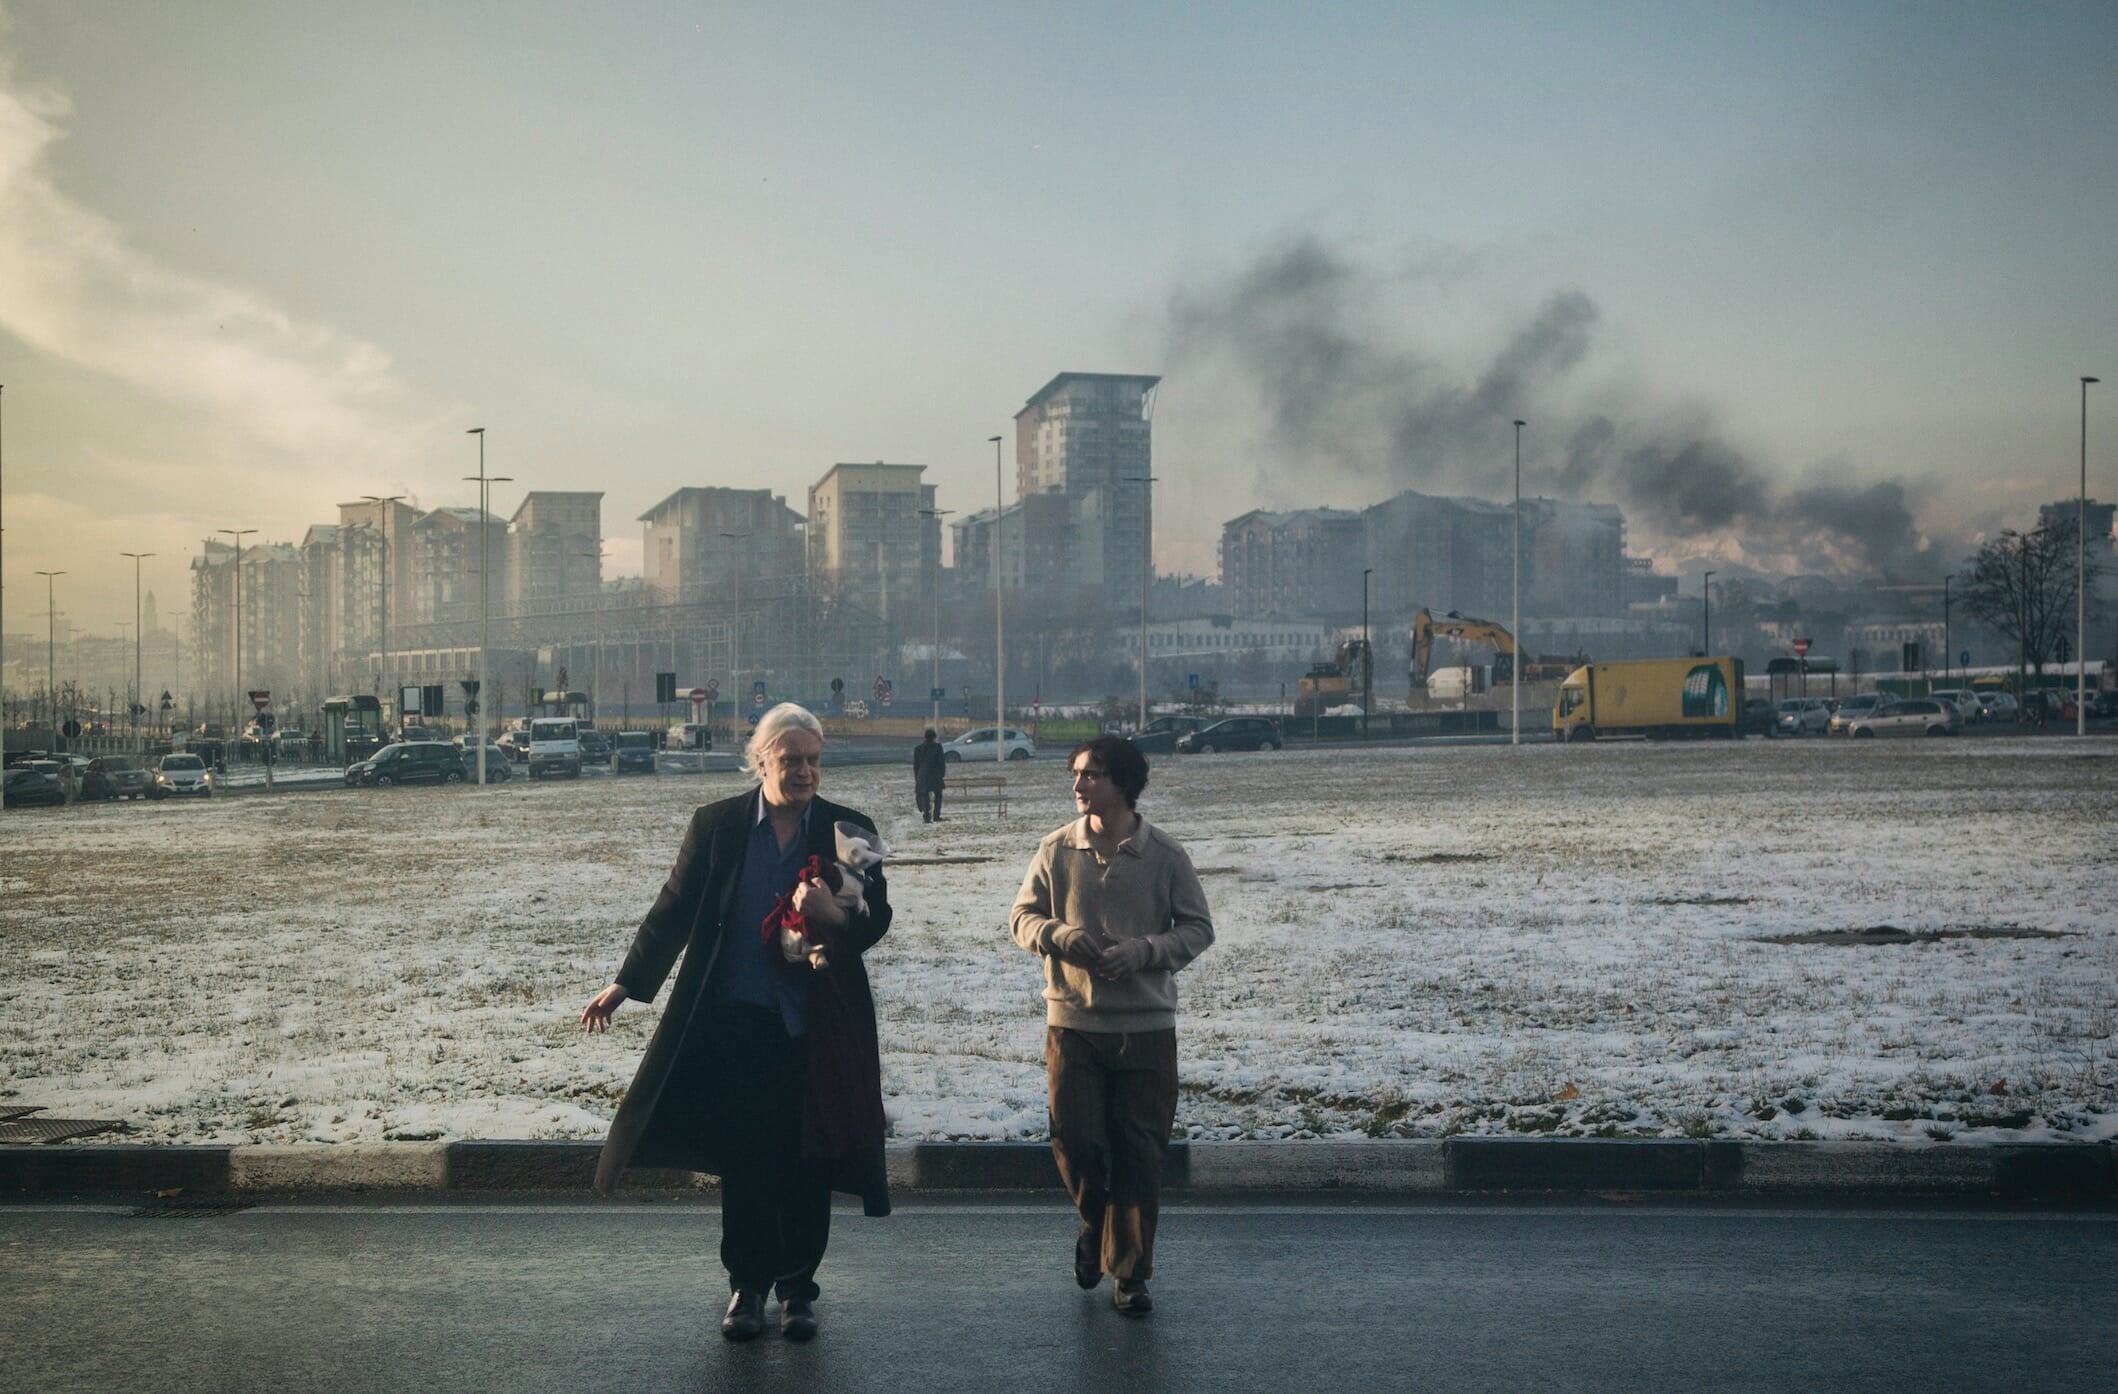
{"x":2023,"y":586}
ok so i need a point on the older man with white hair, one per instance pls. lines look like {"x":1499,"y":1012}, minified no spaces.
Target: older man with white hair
{"x":764,"y":1069}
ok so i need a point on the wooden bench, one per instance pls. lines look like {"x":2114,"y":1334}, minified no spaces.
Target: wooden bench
{"x":984,"y":790}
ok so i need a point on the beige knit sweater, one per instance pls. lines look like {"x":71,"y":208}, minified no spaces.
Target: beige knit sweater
{"x":1147,"y":890}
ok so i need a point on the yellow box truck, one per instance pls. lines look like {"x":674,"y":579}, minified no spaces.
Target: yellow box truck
{"x":1659,"y":697}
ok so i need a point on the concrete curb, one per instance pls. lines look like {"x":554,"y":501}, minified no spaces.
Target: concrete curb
{"x":1460,"y":1166}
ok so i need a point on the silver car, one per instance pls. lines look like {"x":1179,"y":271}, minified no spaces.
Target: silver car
{"x":178,"y":776}
{"x":1915,"y":716}
{"x":1853,"y":708}
{"x":1803,"y":716}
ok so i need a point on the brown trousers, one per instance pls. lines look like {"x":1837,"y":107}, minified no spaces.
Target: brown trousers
{"x":1113,"y":1098}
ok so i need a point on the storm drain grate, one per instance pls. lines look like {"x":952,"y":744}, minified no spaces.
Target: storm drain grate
{"x":187,"y":1209}
{"x":10,"y":1112}
{"x":54,"y":1129}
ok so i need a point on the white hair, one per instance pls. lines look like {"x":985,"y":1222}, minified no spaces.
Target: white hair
{"x":773,"y":727}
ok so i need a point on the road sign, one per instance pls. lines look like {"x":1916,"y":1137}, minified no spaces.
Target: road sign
{"x":757,"y":692}
{"x":884,"y":690}
{"x":1801,"y":648}
{"x":1194,"y":682}
{"x":71,"y":730}
{"x":1963,"y":660}
{"x":261,"y":700}
{"x":713,"y":688}
{"x":265,"y":721}
{"x":698,"y":694}
{"x":935,"y":694}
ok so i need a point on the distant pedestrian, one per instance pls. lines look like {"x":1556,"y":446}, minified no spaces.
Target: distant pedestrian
{"x":930,"y":774}
{"x":764,"y":1072}
{"x":1115,"y":907}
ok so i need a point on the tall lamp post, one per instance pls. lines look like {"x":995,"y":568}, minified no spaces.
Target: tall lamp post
{"x":1147,"y":563}
{"x":3,"y":588}
{"x":1946,"y":659}
{"x":595,"y":684}
{"x":735,"y":648}
{"x":1367,"y":655}
{"x":238,"y":534}
{"x":2081,"y":575}
{"x":934,"y":658}
{"x":485,"y":571}
{"x":384,"y":503}
{"x":139,"y":693}
{"x":1514,"y":619}
{"x":1000,"y":622}
{"x":51,"y":647}
{"x":1706,"y":615}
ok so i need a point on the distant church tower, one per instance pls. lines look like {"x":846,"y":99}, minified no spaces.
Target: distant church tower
{"x":148,"y":623}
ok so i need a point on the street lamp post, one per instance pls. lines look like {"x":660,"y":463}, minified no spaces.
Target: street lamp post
{"x":238,"y":534}
{"x":1946,"y":659}
{"x":1000,"y":623}
{"x":595,"y":684}
{"x":139,"y":694}
{"x":2081,"y":575}
{"x":735,"y":647}
{"x":485,"y":571}
{"x":384,"y":503}
{"x":1367,"y":656}
{"x":1147,"y":561}
{"x":1515,"y":619}
{"x":51,"y":648}
{"x":1706,"y":615}
{"x":934,"y":657}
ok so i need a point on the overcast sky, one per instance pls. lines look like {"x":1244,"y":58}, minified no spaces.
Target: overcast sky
{"x":1848,"y":260}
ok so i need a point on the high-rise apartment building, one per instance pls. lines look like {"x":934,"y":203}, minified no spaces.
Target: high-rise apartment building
{"x":555,"y":549}
{"x":873,"y":538}
{"x":1085,"y":437}
{"x":692,"y":539}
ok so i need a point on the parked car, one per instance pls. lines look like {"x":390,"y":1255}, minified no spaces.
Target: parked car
{"x":1997,"y":707}
{"x":1862,"y":705}
{"x":1236,"y":733}
{"x":181,"y":775}
{"x":1759,"y":718}
{"x":516,"y":744}
{"x":1803,"y":716}
{"x":496,"y":761}
{"x":116,"y":777}
{"x":595,"y":746}
{"x":978,"y":745}
{"x":409,"y":762}
{"x":2103,"y":705}
{"x":27,"y":786}
{"x":692,"y":735}
{"x":634,"y":753}
{"x":417,"y":732}
{"x":1159,"y":737}
{"x":1914,"y":716}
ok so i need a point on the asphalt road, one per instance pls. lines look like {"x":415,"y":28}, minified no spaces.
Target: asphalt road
{"x":627,"y":1296}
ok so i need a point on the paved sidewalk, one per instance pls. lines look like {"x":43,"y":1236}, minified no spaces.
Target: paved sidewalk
{"x":1467,"y":1166}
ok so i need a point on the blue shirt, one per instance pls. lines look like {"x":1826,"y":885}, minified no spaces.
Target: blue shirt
{"x":748,"y":969}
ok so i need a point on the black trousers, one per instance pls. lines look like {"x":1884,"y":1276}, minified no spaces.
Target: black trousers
{"x":1113,"y":1098}
{"x":930,"y":800}
{"x":775,"y":1213}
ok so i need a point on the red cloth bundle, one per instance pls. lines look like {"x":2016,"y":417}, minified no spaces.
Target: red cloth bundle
{"x":783,"y":918}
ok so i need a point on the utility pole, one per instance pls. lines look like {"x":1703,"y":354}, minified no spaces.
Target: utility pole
{"x":139,"y":693}
{"x":51,"y":648}
{"x":238,"y":534}
{"x":484,"y":699}
{"x":384,"y":504}
{"x":1000,"y":624}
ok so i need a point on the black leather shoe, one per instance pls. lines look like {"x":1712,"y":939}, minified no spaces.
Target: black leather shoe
{"x":1088,"y":1259}
{"x":746,"y":1315}
{"x":797,"y":1319}
{"x":1131,"y":1297}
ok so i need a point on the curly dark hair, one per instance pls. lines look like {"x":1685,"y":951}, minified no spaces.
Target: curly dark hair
{"x":1122,"y":762}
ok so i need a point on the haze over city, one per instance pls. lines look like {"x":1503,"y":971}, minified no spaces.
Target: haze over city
{"x":1806,"y":288}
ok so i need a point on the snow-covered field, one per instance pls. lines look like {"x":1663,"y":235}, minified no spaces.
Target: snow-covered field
{"x":1622,"y":940}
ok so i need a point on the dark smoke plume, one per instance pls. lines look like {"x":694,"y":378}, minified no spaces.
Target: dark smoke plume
{"x":1305,"y":331}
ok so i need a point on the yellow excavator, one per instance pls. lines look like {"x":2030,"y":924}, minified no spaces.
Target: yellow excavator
{"x":1463,"y":629}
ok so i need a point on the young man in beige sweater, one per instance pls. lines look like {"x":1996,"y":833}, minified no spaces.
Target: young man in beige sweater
{"x":1115,"y":907}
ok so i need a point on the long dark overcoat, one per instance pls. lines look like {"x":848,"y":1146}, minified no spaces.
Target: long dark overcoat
{"x":842,"y":1117}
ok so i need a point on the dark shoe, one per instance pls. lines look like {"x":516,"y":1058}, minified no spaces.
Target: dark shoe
{"x":797,"y":1319}
{"x":1131,"y":1297}
{"x":1088,"y":1261}
{"x":746,"y":1315}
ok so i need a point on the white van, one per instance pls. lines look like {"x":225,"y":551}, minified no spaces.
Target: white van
{"x":554,"y":747}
